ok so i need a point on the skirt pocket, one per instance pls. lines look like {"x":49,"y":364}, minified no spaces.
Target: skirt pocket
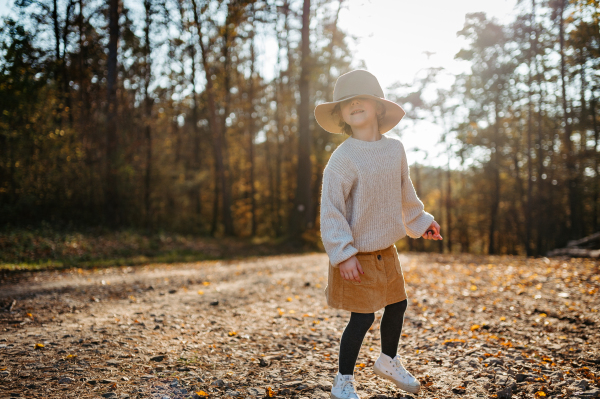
{"x":368,"y":265}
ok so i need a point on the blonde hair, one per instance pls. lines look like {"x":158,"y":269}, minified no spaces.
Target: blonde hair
{"x":337,"y":113}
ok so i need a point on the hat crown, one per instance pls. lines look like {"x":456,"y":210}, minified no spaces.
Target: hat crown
{"x":356,"y":83}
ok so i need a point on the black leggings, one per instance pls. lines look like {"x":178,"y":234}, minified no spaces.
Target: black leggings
{"x":359,"y":324}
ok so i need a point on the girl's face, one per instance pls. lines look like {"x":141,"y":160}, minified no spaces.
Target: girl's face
{"x":359,"y":111}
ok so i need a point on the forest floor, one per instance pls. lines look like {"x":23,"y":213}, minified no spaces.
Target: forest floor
{"x":476,"y":327}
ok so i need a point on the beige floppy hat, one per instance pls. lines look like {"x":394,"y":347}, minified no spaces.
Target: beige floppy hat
{"x":352,"y":84}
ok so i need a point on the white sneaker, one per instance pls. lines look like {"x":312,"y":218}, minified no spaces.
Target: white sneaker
{"x":393,"y":370}
{"x":343,"y":387}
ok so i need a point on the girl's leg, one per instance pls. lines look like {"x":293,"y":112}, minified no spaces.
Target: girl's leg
{"x":391,"y":327}
{"x":352,"y":339}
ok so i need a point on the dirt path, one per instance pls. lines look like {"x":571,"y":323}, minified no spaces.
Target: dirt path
{"x":476,"y":327}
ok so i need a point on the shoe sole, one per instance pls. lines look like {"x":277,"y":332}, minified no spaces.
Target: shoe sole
{"x":400,"y":385}
{"x":332,"y":396}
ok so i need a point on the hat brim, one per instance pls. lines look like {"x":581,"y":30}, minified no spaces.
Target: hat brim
{"x":330,"y":123}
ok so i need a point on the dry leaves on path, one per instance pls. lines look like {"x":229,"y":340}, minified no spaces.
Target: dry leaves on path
{"x":476,"y":327}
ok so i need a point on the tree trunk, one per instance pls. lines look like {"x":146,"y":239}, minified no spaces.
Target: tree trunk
{"x":574,"y":230}
{"x":541,"y":220}
{"x":279,"y":115}
{"x":148,"y":110}
{"x":440,"y":183}
{"x":465,"y":242}
{"x":495,"y":166}
{"x":596,"y":162}
{"x":583,"y":115}
{"x":63,"y":64}
{"x":57,"y":66}
{"x":449,"y":205}
{"x":251,"y":134}
{"x":276,"y":191}
{"x":528,"y":216}
{"x":217,"y":135}
{"x":195,"y":192}
{"x":228,"y":38}
{"x":111,"y":191}
{"x":302,"y":204}
{"x":215,"y":220}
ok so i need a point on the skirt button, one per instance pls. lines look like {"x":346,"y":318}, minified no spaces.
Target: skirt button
{"x":379,"y":256}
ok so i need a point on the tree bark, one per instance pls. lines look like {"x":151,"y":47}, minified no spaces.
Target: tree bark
{"x":448,"y":205}
{"x":495,"y":166}
{"x":302,"y":203}
{"x":148,"y":111}
{"x":251,"y":134}
{"x":58,"y":60}
{"x":596,"y":162}
{"x":528,"y":216}
{"x":541,"y":221}
{"x":279,"y":115}
{"x":574,"y":228}
{"x":217,"y":135}
{"x":111,"y":191}
{"x":63,"y":64}
{"x":193,"y":163}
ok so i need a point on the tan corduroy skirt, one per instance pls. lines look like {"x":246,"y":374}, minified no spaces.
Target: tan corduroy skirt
{"x":381,"y":285}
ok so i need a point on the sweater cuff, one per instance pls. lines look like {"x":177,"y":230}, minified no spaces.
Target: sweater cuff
{"x":420,"y":226}
{"x":348,"y":252}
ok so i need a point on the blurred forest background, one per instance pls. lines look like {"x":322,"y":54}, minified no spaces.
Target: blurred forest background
{"x":157,"y":118}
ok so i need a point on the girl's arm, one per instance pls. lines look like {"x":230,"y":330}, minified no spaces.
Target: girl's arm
{"x":416,"y":220}
{"x":335,"y":230}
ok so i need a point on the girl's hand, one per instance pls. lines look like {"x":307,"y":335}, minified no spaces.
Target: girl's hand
{"x":433,"y":232}
{"x":350,"y":269}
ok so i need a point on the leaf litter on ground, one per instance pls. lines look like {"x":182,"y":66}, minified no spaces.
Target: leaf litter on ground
{"x":476,"y":326}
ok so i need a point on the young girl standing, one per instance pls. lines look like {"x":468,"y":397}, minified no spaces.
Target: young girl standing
{"x":368,"y":203}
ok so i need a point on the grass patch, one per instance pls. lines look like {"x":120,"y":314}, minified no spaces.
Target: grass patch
{"x":67,"y":263}
{"x":45,"y":249}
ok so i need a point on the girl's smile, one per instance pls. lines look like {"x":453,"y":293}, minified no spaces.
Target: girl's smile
{"x":359,"y":111}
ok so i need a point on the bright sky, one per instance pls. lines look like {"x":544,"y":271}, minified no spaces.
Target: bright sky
{"x":392,"y":36}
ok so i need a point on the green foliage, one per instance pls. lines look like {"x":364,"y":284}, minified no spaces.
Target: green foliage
{"x":177,"y":147}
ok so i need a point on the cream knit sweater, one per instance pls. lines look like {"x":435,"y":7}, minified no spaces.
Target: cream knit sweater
{"x":368,"y":201}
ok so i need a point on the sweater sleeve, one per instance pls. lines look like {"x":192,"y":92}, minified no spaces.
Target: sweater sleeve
{"x":416,"y":220}
{"x":335,"y":230}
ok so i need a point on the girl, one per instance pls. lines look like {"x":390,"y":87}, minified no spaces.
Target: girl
{"x":368,"y":203}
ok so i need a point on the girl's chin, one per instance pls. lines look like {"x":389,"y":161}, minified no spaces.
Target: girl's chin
{"x":358,"y":120}
{"x":360,"y":123}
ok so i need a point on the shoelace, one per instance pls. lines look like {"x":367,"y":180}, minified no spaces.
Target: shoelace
{"x":400,"y":367}
{"x":348,"y":387}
